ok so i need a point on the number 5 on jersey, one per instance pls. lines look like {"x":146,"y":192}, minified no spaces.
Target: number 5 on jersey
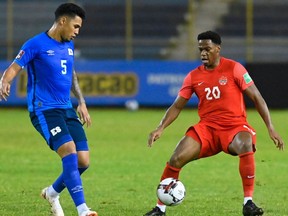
{"x":64,"y":66}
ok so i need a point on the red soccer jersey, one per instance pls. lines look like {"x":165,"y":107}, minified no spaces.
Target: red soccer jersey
{"x":219,"y":92}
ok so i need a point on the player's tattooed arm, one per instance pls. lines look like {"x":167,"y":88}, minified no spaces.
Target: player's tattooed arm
{"x":76,"y":89}
{"x":81,"y":108}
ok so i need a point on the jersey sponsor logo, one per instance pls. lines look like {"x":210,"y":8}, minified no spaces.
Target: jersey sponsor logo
{"x":70,"y":51}
{"x":200,"y":83}
{"x":247,"y":78}
{"x":20,"y":54}
{"x":50,"y":52}
{"x":223,"y":80}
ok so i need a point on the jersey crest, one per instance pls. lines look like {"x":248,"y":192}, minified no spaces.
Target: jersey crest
{"x":70,"y":51}
{"x":223,"y":80}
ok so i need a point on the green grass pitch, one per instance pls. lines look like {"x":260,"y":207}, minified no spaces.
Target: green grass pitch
{"x":124,"y":172}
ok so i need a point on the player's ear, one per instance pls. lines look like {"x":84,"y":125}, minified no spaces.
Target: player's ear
{"x":218,"y":47}
{"x":62,"y":20}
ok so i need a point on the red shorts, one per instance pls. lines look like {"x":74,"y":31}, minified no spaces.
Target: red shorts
{"x":214,"y":139}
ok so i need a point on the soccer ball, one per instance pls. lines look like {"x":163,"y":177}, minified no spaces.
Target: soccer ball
{"x":171,"y":192}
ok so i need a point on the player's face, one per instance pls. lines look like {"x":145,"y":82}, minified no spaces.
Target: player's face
{"x":71,"y":27}
{"x":209,"y":53}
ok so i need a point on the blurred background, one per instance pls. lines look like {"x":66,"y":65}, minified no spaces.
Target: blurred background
{"x":142,"y":49}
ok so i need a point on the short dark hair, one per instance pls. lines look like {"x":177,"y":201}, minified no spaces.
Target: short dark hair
{"x":70,"y":10}
{"x":210,"y":35}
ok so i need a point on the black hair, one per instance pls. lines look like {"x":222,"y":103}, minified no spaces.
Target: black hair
{"x":70,"y":10}
{"x":210,"y":35}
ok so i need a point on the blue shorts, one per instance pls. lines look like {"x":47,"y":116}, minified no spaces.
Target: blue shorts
{"x":58,"y":126}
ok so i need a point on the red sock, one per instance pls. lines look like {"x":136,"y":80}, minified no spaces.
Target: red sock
{"x":247,"y":173}
{"x":169,"y":172}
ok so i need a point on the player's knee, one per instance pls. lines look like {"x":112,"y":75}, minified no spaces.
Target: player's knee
{"x":241,"y":144}
{"x":83,"y":163}
{"x":247,"y":147}
{"x":83,"y":158}
{"x":244,"y":147}
{"x":176,"y":161}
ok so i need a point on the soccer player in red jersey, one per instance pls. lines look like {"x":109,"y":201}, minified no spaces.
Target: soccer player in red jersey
{"x":219,"y":84}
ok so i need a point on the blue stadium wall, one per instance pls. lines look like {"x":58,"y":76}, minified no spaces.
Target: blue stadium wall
{"x":112,"y":83}
{"x":151,"y":83}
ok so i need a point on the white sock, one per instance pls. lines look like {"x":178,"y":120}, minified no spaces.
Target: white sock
{"x":81,"y":208}
{"x":246,"y":199}
{"x":161,"y":207}
{"x":51,"y":192}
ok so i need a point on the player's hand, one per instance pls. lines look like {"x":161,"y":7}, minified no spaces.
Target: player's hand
{"x":4,"y":90}
{"x":84,"y":114}
{"x":153,"y":136}
{"x":279,"y":143}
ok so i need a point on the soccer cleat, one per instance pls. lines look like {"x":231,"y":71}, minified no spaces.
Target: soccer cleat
{"x":56,"y":208}
{"x":155,"y":212}
{"x":89,"y":213}
{"x":250,"y":209}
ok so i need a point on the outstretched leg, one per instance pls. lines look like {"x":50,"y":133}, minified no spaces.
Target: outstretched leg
{"x":187,"y":150}
{"x":242,"y":146}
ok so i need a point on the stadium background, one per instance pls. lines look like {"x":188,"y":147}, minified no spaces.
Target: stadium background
{"x":145,"y":61}
{"x":142,"y":49}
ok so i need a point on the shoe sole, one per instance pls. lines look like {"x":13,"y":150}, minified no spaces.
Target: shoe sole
{"x":258,"y":214}
{"x":92,"y":214}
